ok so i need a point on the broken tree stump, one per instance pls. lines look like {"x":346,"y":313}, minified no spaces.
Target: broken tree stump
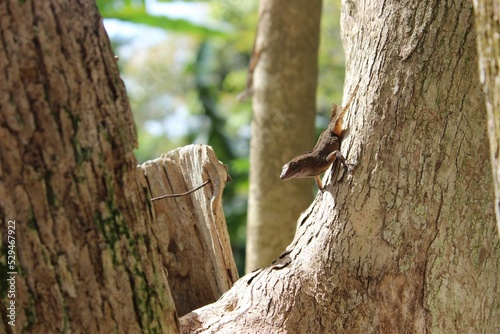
{"x":191,"y":224}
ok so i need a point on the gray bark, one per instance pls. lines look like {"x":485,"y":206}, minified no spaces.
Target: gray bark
{"x":407,"y":243}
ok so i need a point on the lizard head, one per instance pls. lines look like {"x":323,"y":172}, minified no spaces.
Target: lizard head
{"x":289,"y":170}
{"x":302,"y":166}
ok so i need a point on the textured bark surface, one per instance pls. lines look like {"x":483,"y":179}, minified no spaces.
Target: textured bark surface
{"x":284,"y":108}
{"x":87,"y":260}
{"x":195,"y":243}
{"x":488,"y":45}
{"x":407,"y":243}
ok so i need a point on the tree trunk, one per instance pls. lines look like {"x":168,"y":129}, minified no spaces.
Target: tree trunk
{"x":284,"y":110}
{"x":407,"y":243}
{"x":85,"y":251}
{"x":488,"y":28}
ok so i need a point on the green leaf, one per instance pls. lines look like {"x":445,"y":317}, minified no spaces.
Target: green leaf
{"x":136,"y":13}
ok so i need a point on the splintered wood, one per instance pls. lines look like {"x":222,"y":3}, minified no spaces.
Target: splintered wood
{"x":191,"y":225}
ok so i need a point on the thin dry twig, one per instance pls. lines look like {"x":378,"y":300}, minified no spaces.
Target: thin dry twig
{"x":181,"y":194}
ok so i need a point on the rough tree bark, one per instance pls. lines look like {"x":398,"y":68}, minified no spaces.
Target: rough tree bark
{"x":284,"y":107}
{"x":488,"y":30}
{"x":407,"y":243}
{"x":92,"y":250}
{"x":87,"y":260}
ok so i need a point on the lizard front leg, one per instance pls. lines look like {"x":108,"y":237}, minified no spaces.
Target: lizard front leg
{"x":337,"y":155}
{"x":319,"y":183}
{"x":331,"y":159}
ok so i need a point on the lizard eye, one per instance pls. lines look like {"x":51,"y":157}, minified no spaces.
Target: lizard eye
{"x":293,"y":164}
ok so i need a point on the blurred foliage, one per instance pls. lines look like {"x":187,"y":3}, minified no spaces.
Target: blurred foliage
{"x":135,"y":11}
{"x":183,"y":89}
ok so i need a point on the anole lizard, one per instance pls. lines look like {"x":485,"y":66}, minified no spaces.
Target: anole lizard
{"x":324,"y":153}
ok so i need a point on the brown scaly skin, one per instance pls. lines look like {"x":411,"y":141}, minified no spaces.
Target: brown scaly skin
{"x":326,"y":150}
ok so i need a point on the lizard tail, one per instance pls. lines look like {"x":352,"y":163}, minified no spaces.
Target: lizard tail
{"x":337,"y":120}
